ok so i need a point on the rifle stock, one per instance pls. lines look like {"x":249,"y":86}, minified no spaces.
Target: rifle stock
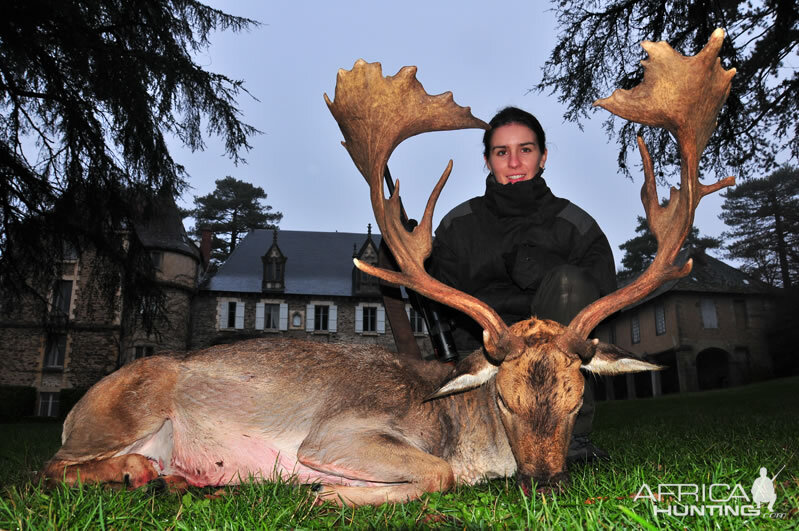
{"x":438,"y":327}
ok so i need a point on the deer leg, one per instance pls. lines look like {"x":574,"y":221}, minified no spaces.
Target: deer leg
{"x":401,"y":471}
{"x":133,"y":470}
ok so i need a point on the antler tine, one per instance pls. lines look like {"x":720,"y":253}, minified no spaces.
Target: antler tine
{"x":376,"y":114}
{"x":683,"y":95}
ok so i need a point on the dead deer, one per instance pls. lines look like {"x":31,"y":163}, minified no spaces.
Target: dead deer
{"x":367,"y":426}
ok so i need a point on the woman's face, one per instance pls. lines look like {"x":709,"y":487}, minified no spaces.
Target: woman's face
{"x":515,"y":155}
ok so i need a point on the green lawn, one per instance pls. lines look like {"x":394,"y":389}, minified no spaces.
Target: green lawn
{"x":719,"y":437}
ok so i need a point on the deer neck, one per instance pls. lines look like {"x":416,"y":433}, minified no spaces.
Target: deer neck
{"x":477,"y":447}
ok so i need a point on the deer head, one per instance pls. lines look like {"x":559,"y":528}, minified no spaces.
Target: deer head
{"x":536,"y":363}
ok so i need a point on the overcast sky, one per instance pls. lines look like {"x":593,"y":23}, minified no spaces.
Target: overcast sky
{"x":488,"y":55}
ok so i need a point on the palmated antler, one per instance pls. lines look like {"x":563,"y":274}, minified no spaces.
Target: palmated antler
{"x":683,"y":95}
{"x":375,"y":114}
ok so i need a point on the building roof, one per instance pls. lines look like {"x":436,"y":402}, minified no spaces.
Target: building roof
{"x":163,"y":230}
{"x":317,"y":263}
{"x":708,"y":275}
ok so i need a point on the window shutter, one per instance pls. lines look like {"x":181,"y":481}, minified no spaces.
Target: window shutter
{"x":309,"y":318}
{"x":381,"y":320}
{"x":259,"y":316}
{"x":223,"y":314}
{"x":359,"y":318}
{"x":239,"y":315}
{"x":284,"y":316}
{"x":332,"y":318}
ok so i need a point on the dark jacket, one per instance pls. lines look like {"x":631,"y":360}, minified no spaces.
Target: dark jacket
{"x":499,"y":246}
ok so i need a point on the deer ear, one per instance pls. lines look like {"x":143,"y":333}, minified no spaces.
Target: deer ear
{"x":471,"y":372}
{"x":610,"y":359}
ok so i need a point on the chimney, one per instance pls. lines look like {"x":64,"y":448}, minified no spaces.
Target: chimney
{"x":205,"y":246}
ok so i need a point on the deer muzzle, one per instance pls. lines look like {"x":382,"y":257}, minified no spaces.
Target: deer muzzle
{"x":543,"y":484}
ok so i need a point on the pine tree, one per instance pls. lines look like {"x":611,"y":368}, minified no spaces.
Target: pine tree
{"x":90,"y":90}
{"x":232,"y":209}
{"x":598,"y":51}
{"x":764,"y":218}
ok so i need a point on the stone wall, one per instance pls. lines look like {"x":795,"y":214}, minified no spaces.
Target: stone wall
{"x":206,"y":332}
{"x":686,"y":337}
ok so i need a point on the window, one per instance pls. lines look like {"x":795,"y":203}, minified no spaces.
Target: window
{"x":370,"y":318}
{"x":612,"y":334}
{"x":69,"y":253}
{"x":418,"y":325}
{"x":741,"y":314}
{"x":635,"y":329}
{"x":271,"y":315}
{"x":142,"y":352}
{"x":48,"y":405}
{"x":274,"y":271}
{"x":708,"y":310}
{"x":366,"y":283}
{"x":231,"y":314}
{"x":55,"y":352}
{"x":660,"y":320}
{"x":157,"y":258}
{"x":321,"y":316}
{"x":62,"y":296}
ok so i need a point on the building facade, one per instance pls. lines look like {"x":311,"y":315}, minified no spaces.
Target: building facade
{"x":292,"y":283}
{"x":297,"y":284}
{"x":709,"y":330}
{"x":79,"y":334}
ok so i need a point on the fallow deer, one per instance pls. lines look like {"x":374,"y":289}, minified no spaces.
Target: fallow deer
{"x":364,"y":424}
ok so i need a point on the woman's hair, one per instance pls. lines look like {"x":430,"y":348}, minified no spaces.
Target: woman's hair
{"x":513,"y":115}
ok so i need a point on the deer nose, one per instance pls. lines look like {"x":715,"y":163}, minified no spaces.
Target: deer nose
{"x":544,"y":484}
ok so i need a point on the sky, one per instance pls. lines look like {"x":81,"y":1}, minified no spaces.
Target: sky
{"x":489,"y":55}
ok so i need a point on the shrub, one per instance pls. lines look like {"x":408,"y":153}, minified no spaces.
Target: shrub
{"x":16,"y":402}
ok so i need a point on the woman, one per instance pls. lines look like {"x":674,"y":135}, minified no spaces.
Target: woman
{"x":522,"y":250}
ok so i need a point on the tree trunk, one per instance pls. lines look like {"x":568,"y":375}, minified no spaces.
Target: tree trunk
{"x":782,"y":249}
{"x":233,"y":233}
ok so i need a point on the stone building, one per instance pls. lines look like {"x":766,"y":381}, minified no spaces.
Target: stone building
{"x":708,"y":329}
{"x":78,"y":335}
{"x":292,"y":283}
{"x":297,"y":284}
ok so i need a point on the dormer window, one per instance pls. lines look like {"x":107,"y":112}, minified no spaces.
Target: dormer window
{"x":274,"y":275}
{"x":364,"y":283}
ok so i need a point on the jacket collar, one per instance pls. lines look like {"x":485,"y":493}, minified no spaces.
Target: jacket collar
{"x":532,"y":199}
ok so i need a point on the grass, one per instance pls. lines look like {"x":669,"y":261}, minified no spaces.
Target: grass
{"x":713,"y":437}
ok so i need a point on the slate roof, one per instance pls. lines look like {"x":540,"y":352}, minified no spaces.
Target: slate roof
{"x":708,"y":275}
{"x":164,"y":230}
{"x":318,"y":263}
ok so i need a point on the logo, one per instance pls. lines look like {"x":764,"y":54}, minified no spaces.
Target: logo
{"x":717,"y":499}
{"x":763,"y":490}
